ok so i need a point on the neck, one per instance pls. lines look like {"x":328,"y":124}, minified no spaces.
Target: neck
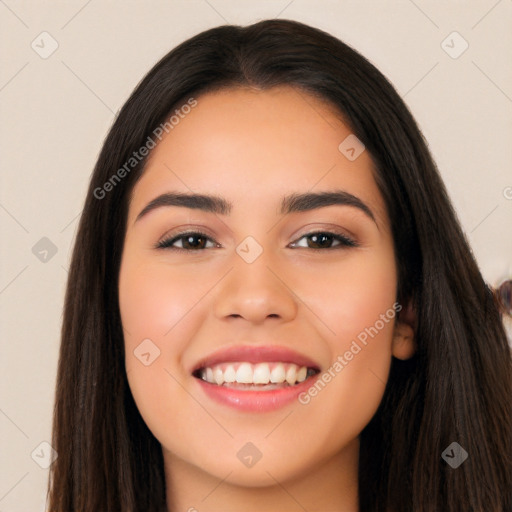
{"x":331,"y":485}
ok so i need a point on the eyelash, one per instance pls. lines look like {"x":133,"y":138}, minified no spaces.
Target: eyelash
{"x":345,"y":241}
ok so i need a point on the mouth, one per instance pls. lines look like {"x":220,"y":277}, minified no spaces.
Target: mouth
{"x":265,"y":376}
{"x":255,"y":379}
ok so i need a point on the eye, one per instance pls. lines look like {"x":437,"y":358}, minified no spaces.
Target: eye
{"x":190,"y":241}
{"x":324,"y":239}
{"x":196,"y":241}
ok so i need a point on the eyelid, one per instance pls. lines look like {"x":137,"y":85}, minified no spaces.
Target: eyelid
{"x":167,"y":239}
{"x":186,"y":229}
{"x":346,"y":240}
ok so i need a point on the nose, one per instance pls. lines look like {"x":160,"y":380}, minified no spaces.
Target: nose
{"x":255,"y":292}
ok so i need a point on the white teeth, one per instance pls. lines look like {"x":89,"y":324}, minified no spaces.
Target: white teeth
{"x":244,"y":374}
{"x":229,"y":374}
{"x":278,"y":374}
{"x":218,"y":376}
{"x":302,"y":374}
{"x":260,"y":373}
{"x":291,"y":375}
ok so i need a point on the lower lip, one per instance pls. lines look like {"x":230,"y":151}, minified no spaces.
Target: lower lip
{"x":255,"y":401}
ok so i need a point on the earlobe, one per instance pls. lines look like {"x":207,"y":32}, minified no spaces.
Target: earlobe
{"x":404,"y":344}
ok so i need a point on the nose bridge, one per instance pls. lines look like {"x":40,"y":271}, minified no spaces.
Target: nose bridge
{"x":254,"y":289}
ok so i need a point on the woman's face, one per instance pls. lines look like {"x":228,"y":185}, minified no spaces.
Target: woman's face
{"x":279,"y":286}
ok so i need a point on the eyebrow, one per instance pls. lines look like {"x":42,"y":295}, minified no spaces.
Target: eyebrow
{"x":289,"y":204}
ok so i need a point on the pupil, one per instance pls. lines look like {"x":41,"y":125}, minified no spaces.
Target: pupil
{"x":193,"y":237}
{"x":320,"y":239}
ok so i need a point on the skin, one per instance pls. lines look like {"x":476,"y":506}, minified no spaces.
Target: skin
{"x":253,"y":147}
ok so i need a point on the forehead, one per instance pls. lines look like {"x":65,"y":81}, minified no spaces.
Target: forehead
{"x":253,"y":147}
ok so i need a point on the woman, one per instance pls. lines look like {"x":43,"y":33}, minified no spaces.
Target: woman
{"x":271,"y":304}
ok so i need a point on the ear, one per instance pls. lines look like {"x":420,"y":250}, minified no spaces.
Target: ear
{"x":404,"y":345}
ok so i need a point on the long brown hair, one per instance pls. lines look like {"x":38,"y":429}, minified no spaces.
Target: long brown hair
{"x":457,"y":387}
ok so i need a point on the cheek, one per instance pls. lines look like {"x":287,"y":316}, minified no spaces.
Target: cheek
{"x":157,"y":314}
{"x":149,"y":305}
{"x":360,"y":311}
{"x":159,"y":302}
{"x":158,"y":317}
{"x":353,"y":297}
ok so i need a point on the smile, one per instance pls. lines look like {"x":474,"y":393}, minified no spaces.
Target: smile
{"x":255,"y":379}
{"x":262,"y":376}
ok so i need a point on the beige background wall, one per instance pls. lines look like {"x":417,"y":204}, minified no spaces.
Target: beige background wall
{"x":55,"y":112}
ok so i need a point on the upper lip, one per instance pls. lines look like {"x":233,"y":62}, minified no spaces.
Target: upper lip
{"x":255,"y":354}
